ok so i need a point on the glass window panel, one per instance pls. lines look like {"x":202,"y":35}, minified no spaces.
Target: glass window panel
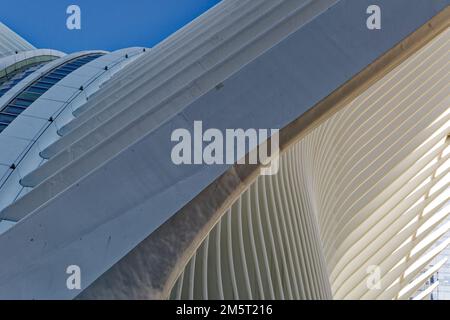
{"x":13,"y":110}
{"x":60,"y":73}
{"x":50,"y":80}
{"x":29,"y":96}
{"x":21,"y":103}
{"x":69,"y":66}
{"x":37,"y":90}
{"x":76,"y":64}
{"x":67,"y":71}
{"x":83,"y":62}
{"x":6,"y":118}
{"x":56,"y":76}
{"x":42,"y":84}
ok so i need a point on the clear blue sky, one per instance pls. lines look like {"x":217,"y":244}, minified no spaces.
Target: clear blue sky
{"x":105,"y":24}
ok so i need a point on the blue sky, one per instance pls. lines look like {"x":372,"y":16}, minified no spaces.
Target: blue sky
{"x":105,"y":24}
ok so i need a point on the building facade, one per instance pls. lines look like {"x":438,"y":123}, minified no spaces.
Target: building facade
{"x":357,"y":207}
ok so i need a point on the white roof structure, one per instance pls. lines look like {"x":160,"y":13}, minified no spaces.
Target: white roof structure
{"x":87,"y":179}
{"x":11,"y":43}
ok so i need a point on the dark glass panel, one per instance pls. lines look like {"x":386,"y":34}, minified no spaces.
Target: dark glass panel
{"x":13,"y":110}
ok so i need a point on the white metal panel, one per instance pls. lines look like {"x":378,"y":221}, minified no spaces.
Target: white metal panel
{"x":10,"y":42}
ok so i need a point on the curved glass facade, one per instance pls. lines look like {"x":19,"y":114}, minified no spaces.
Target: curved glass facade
{"x":33,"y":91}
{"x":8,"y":82}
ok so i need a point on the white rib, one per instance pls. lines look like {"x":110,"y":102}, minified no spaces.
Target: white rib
{"x":369,"y":186}
{"x":10,"y":42}
{"x":427,"y":292}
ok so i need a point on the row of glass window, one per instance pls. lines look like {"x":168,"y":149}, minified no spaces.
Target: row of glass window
{"x":39,"y":87}
{"x":14,"y":79}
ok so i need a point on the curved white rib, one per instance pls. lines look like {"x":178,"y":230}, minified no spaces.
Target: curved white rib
{"x":368,"y":187}
{"x":11,"y":43}
{"x":185,"y":84}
